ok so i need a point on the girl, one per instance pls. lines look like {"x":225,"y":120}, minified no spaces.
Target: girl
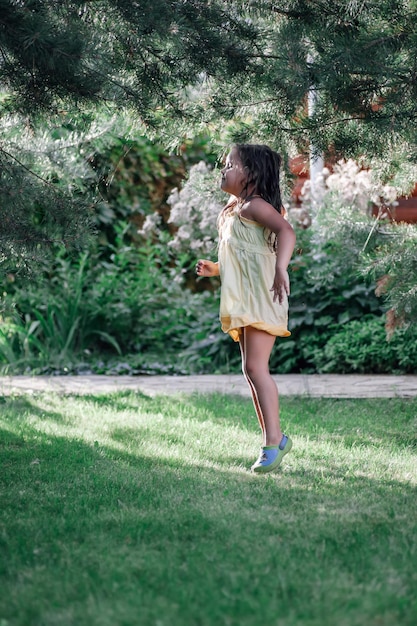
{"x":255,"y":247}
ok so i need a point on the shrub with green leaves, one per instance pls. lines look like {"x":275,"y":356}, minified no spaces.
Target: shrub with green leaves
{"x":135,"y":306}
{"x":326,"y":293}
{"x":123,"y":314}
{"x":383,"y":251}
{"x":361,"y":346}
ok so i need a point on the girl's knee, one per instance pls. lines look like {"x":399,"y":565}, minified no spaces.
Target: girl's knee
{"x":255,"y":371}
{"x":246,"y":373}
{"x":250,"y":370}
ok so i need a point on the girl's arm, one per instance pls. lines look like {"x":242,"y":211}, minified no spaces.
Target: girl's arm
{"x":207,"y":268}
{"x":285,"y":248}
{"x":264,"y":213}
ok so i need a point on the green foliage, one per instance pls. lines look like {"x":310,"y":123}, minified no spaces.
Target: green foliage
{"x":391,"y":260}
{"x":48,"y":184}
{"x":361,"y":346}
{"x":53,"y":320}
{"x":131,"y":303}
{"x":125,"y":309}
{"x":66,"y":65}
{"x":208,"y":350}
{"x":184,"y":63}
{"x":20,"y":349}
{"x":382,"y":252}
{"x":49,"y":216}
{"x":358,"y":58}
{"x":326,"y":292}
{"x":123,"y":301}
{"x":119,"y":52}
{"x":117,"y":297}
{"x":141,"y":510}
{"x":133,"y":179}
{"x":136,"y":177}
{"x":175,"y":69}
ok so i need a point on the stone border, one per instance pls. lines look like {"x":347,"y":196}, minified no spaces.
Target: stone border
{"x":312,"y":385}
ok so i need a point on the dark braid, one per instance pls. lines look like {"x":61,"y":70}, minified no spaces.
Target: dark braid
{"x":263,"y":165}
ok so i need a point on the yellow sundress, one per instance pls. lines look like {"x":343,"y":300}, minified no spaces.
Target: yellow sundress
{"x":247,"y":270}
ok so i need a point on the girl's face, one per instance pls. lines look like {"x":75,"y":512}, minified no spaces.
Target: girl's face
{"x":233,"y":174}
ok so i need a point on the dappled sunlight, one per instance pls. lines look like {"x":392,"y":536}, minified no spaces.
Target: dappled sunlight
{"x":206,"y":432}
{"x":333,"y":474}
{"x":162,"y":428}
{"x":334,"y":461}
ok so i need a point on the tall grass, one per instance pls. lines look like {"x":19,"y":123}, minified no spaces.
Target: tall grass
{"x":56,"y":325}
{"x":125,"y":510}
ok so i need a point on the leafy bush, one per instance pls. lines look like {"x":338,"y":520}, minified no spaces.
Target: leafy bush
{"x":54,"y":318}
{"x":126,"y":314}
{"x":326,"y":292}
{"x":134,"y":305}
{"x":381,"y":250}
{"x":121,"y":297}
{"x":136,"y":178}
{"x":361,"y":346}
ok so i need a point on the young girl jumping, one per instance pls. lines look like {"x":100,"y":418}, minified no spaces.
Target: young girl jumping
{"x":255,"y":247}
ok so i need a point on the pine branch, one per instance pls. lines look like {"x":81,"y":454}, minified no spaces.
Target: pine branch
{"x":27,"y":169}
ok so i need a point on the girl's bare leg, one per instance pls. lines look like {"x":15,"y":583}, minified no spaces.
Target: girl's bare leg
{"x":256,"y":350}
{"x":251,"y":387}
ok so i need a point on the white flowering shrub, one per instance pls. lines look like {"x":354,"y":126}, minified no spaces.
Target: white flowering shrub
{"x":194,"y":210}
{"x":150,"y":225}
{"x":193,"y":224}
{"x":352,"y":186}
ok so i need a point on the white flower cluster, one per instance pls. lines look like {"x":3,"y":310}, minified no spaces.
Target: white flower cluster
{"x":150,"y":225}
{"x":194,"y":210}
{"x":354,"y":185}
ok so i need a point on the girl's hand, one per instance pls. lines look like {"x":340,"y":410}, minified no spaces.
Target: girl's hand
{"x":207,"y":268}
{"x":281,"y":285}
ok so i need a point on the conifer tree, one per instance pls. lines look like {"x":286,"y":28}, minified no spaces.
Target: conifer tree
{"x":59,"y":59}
{"x":180,"y":65}
{"x":359,"y":58}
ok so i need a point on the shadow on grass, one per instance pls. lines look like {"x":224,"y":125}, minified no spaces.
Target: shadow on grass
{"x":94,"y":534}
{"x":20,"y":404}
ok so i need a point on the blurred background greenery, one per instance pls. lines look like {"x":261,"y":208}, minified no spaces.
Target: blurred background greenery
{"x":113,"y":125}
{"x":129,"y":302}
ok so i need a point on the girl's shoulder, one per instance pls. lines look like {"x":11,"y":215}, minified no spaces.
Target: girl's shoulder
{"x":254,"y":206}
{"x":259,"y":210}
{"x":230,"y":210}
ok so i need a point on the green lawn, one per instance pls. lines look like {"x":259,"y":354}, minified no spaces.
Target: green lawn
{"x":127,"y":510}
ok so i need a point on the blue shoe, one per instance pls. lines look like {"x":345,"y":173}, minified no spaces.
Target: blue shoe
{"x":271,"y":456}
